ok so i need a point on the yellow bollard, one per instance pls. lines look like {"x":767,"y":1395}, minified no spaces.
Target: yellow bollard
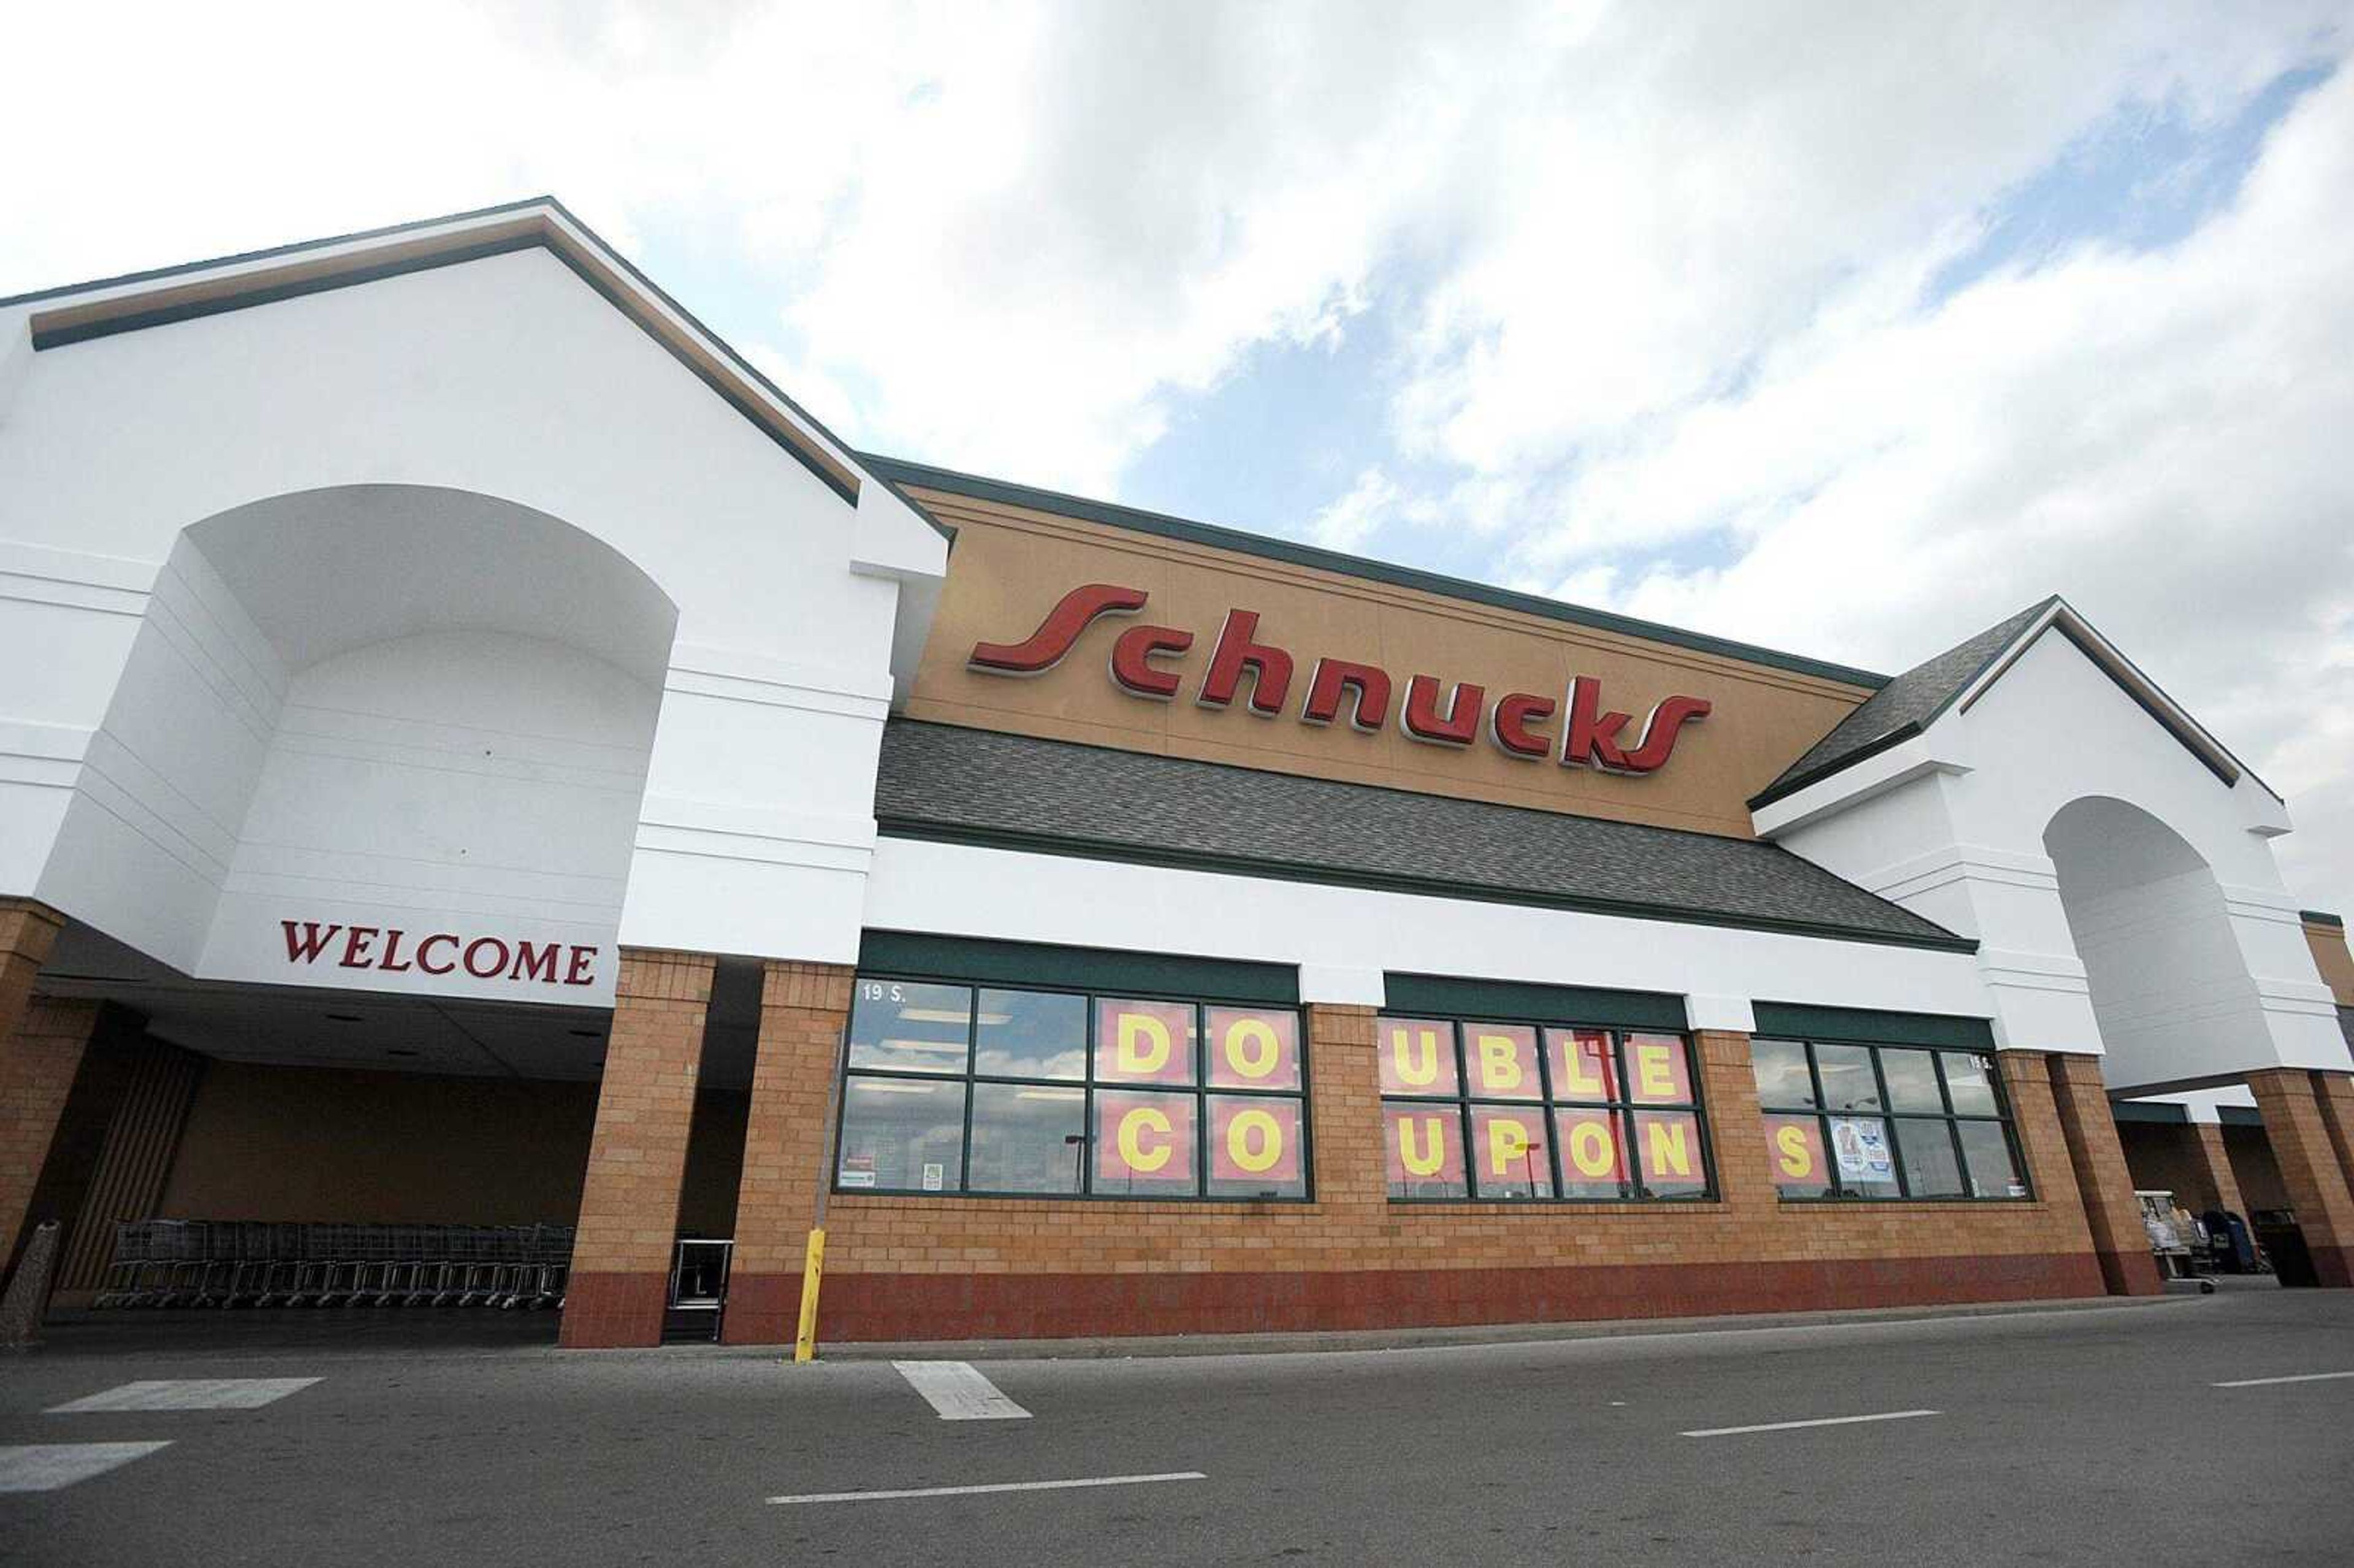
{"x":812,"y":1271}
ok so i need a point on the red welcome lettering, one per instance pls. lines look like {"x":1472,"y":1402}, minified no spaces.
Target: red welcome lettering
{"x":1044,"y":649}
{"x":306,"y":948}
{"x":528,"y":961}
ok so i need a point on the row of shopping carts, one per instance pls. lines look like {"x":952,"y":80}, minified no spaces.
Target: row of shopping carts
{"x":253,"y":1263}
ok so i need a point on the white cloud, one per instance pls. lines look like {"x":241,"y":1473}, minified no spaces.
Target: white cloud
{"x":1347,"y":523}
{"x":2159,"y":436}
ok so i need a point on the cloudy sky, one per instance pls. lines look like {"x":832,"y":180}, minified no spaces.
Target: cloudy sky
{"x":1849,"y":328}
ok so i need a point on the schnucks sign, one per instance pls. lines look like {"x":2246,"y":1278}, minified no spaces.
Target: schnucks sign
{"x":1146,"y":662}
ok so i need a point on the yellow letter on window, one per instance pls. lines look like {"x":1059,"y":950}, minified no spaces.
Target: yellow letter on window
{"x":1417,"y":1071}
{"x":1131,"y":1146}
{"x":1500,"y":1063}
{"x":1140,"y":1028}
{"x":1668,"y":1154}
{"x":1427,"y":1162}
{"x":1254,"y":1126}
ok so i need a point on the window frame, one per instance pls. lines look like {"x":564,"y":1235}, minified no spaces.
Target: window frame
{"x":2004,"y":1117}
{"x":1622,"y":1110}
{"x":1088,"y":1082}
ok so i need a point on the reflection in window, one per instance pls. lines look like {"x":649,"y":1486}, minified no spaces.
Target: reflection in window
{"x":1010,"y":1091}
{"x":1952,"y":1139}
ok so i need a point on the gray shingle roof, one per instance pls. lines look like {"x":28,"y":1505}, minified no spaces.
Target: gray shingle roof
{"x":1902,"y":707}
{"x":942,"y":782}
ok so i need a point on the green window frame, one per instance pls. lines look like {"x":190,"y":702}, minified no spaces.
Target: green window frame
{"x":1924,"y":1142}
{"x":1637,"y":1121}
{"x":1205,"y":1096}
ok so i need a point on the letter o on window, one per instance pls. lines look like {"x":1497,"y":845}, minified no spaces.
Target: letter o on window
{"x":1254,"y":1140}
{"x":497,"y":966}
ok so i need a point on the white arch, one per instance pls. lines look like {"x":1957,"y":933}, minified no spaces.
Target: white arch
{"x":2169,"y":981}
{"x":372,"y":705}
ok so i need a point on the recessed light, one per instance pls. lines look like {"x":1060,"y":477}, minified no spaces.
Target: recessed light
{"x":345,"y":1017}
{"x":586,"y":1033}
{"x":397,"y":1052}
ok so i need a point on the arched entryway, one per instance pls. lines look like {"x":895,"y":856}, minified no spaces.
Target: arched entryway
{"x":2170,"y":987}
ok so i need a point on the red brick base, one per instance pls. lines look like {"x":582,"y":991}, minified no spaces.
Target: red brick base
{"x":869,"y":1307}
{"x":607,"y":1311}
{"x":2334,"y":1266}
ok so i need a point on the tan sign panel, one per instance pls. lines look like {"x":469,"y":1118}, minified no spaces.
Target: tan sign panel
{"x":1738,"y":725}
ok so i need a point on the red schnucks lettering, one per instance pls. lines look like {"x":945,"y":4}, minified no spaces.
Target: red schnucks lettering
{"x":306,"y":948}
{"x":1591,"y":736}
{"x":535,"y":962}
{"x":577,"y":972}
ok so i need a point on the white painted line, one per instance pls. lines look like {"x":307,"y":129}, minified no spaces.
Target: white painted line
{"x":1000,"y":1486}
{"x":189,"y":1394}
{"x":46,"y":1466}
{"x":959,"y":1392}
{"x":2268,"y":1382}
{"x":1820,"y":1421}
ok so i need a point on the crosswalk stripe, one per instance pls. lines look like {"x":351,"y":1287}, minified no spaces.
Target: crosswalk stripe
{"x":959,"y":1392}
{"x":188,"y":1393}
{"x":46,"y":1466}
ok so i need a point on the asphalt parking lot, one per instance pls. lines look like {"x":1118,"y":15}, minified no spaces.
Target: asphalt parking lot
{"x":2192,"y":1430}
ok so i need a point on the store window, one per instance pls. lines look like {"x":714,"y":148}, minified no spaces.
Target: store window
{"x":1846,"y":1121}
{"x":1001,"y":1091}
{"x":1511,"y":1110}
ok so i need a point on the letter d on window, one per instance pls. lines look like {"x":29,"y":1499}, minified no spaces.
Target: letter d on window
{"x":1140,"y":1044}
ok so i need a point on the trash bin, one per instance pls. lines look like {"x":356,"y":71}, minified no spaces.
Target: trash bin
{"x":2282,"y":1239}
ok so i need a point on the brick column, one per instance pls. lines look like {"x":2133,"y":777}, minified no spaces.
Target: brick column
{"x":2215,"y":1164}
{"x":1736,"y":1128}
{"x":1344,"y":1109}
{"x":2309,"y":1169}
{"x":628,"y":1202}
{"x":27,"y":931}
{"x":804,"y":1012}
{"x":2111,"y":1211}
{"x":2334,"y":1094}
{"x":38,"y":1059}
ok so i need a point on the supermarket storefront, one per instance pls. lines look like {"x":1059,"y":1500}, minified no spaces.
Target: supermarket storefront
{"x":493,"y":763}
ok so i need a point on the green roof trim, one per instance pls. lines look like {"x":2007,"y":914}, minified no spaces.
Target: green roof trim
{"x":1161,"y":526}
{"x":1866,"y":1026}
{"x":2322,"y":917}
{"x":1446,"y":997}
{"x":972,"y":960}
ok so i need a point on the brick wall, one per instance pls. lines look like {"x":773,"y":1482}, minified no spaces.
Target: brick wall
{"x":917,"y":1268}
{"x":804,"y":1009}
{"x":2098,"y":1160}
{"x":637,"y":1155}
{"x":38,"y":1060}
{"x":2309,"y":1169}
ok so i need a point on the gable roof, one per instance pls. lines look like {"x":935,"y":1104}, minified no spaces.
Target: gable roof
{"x":132,"y":302}
{"x":1004,"y":492}
{"x":944,"y":782}
{"x":1910,"y":703}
